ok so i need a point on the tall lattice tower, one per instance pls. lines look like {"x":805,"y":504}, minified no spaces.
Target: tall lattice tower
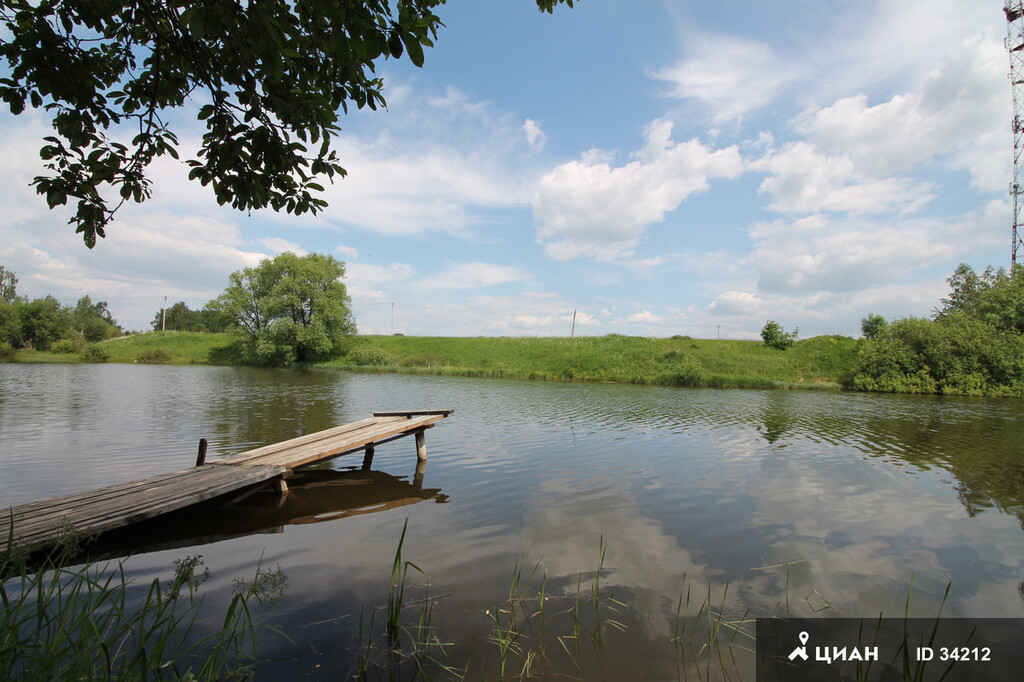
{"x":1014,"y":10}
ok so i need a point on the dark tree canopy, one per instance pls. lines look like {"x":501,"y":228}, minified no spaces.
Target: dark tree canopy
{"x":269,"y":78}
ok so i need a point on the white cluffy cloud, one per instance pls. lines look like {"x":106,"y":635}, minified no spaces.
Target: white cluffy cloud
{"x":588,"y":208}
{"x":473,"y":276}
{"x":732,"y":75}
{"x":534,"y":135}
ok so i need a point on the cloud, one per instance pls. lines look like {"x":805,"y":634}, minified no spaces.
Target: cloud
{"x":183,"y":257}
{"x":590,"y":209}
{"x":474,"y":276}
{"x":526,"y":313}
{"x":278,"y":246}
{"x":804,"y":180}
{"x":960,"y":109}
{"x":347,"y":251}
{"x":642,"y":317}
{"x":432,"y":163}
{"x":839,"y":255}
{"x":732,"y":75}
{"x":735,"y":303}
{"x":534,"y":135}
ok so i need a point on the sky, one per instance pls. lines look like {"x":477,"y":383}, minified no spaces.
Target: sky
{"x":641,"y":167}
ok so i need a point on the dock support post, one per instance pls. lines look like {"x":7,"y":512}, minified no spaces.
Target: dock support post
{"x":421,"y":446}
{"x":417,"y":478}
{"x":368,"y":457}
{"x":280,"y":486}
{"x":201,"y":457}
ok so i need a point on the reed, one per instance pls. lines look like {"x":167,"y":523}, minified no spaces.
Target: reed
{"x":403,"y":650}
{"x":85,"y":622}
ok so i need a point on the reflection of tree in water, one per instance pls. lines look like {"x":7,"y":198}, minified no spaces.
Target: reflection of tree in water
{"x":263,"y":406}
{"x":776,"y":416}
{"x":976,"y":441}
{"x":980,"y":448}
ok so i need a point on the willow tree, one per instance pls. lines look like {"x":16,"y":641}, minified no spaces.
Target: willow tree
{"x":290,"y":308}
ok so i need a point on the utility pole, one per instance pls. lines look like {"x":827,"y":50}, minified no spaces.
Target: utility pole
{"x":163,"y":316}
{"x":1014,"y":43}
{"x":572,"y":334}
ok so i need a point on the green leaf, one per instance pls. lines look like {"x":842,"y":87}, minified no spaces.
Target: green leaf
{"x":395,"y":45}
{"x":415,"y":50}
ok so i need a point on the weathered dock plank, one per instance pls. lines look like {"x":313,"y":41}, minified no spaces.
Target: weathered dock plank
{"x":37,"y":525}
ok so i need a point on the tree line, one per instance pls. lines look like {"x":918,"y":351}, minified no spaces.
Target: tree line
{"x":973,"y":344}
{"x":45,"y":324}
{"x":287,"y":309}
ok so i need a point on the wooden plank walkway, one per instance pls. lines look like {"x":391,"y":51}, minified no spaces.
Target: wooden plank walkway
{"x":38,"y":525}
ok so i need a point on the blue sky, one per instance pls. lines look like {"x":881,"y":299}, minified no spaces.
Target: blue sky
{"x":658,"y":167}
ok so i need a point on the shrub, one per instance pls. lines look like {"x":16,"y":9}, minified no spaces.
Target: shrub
{"x":425,"y":359}
{"x":154,"y":356}
{"x":369,"y":355}
{"x":682,"y":370}
{"x":64,"y":347}
{"x":775,"y":336}
{"x":95,"y":352}
{"x":6,"y":351}
{"x":954,"y":355}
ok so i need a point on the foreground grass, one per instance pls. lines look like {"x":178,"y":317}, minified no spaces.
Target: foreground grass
{"x":60,"y":621}
{"x":819,"y":362}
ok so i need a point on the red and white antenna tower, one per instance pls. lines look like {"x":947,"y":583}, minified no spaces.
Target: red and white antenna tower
{"x":1014,"y":10}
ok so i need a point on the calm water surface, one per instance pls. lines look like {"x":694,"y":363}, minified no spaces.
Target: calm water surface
{"x":801,"y":502}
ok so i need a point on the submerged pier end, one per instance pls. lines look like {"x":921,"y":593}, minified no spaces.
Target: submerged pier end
{"x":36,"y":526}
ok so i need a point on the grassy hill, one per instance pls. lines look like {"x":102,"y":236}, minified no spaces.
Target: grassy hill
{"x":819,"y":362}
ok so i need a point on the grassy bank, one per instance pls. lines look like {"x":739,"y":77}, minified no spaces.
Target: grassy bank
{"x":678,"y":361}
{"x":820,"y":362}
{"x":167,"y":348}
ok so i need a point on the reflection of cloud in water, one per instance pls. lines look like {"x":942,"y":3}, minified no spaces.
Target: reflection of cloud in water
{"x":861,"y":531}
{"x":566,"y":540}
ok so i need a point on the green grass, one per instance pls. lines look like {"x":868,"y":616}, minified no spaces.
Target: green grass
{"x":59,"y":621}
{"x":819,"y":362}
{"x":178,"y":348}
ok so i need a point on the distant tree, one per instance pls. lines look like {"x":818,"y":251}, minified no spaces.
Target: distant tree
{"x":775,"y":336}
{"x":43,"y":321}
{"x":993,"y":296}
{"x":212,"y":318}
{"x":290,"y":308}
{"x":872,"y":326}
{"x":267,"y":78}
{"x":178,"y":317}
{"x":10,"y":324}
{"x":8,"y":282}
{"x":93,"y":320}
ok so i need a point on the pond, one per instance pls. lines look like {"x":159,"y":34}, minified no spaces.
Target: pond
{"x":617,"y":515}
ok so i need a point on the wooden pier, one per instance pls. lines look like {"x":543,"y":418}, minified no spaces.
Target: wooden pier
{"x":38,"y":525}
